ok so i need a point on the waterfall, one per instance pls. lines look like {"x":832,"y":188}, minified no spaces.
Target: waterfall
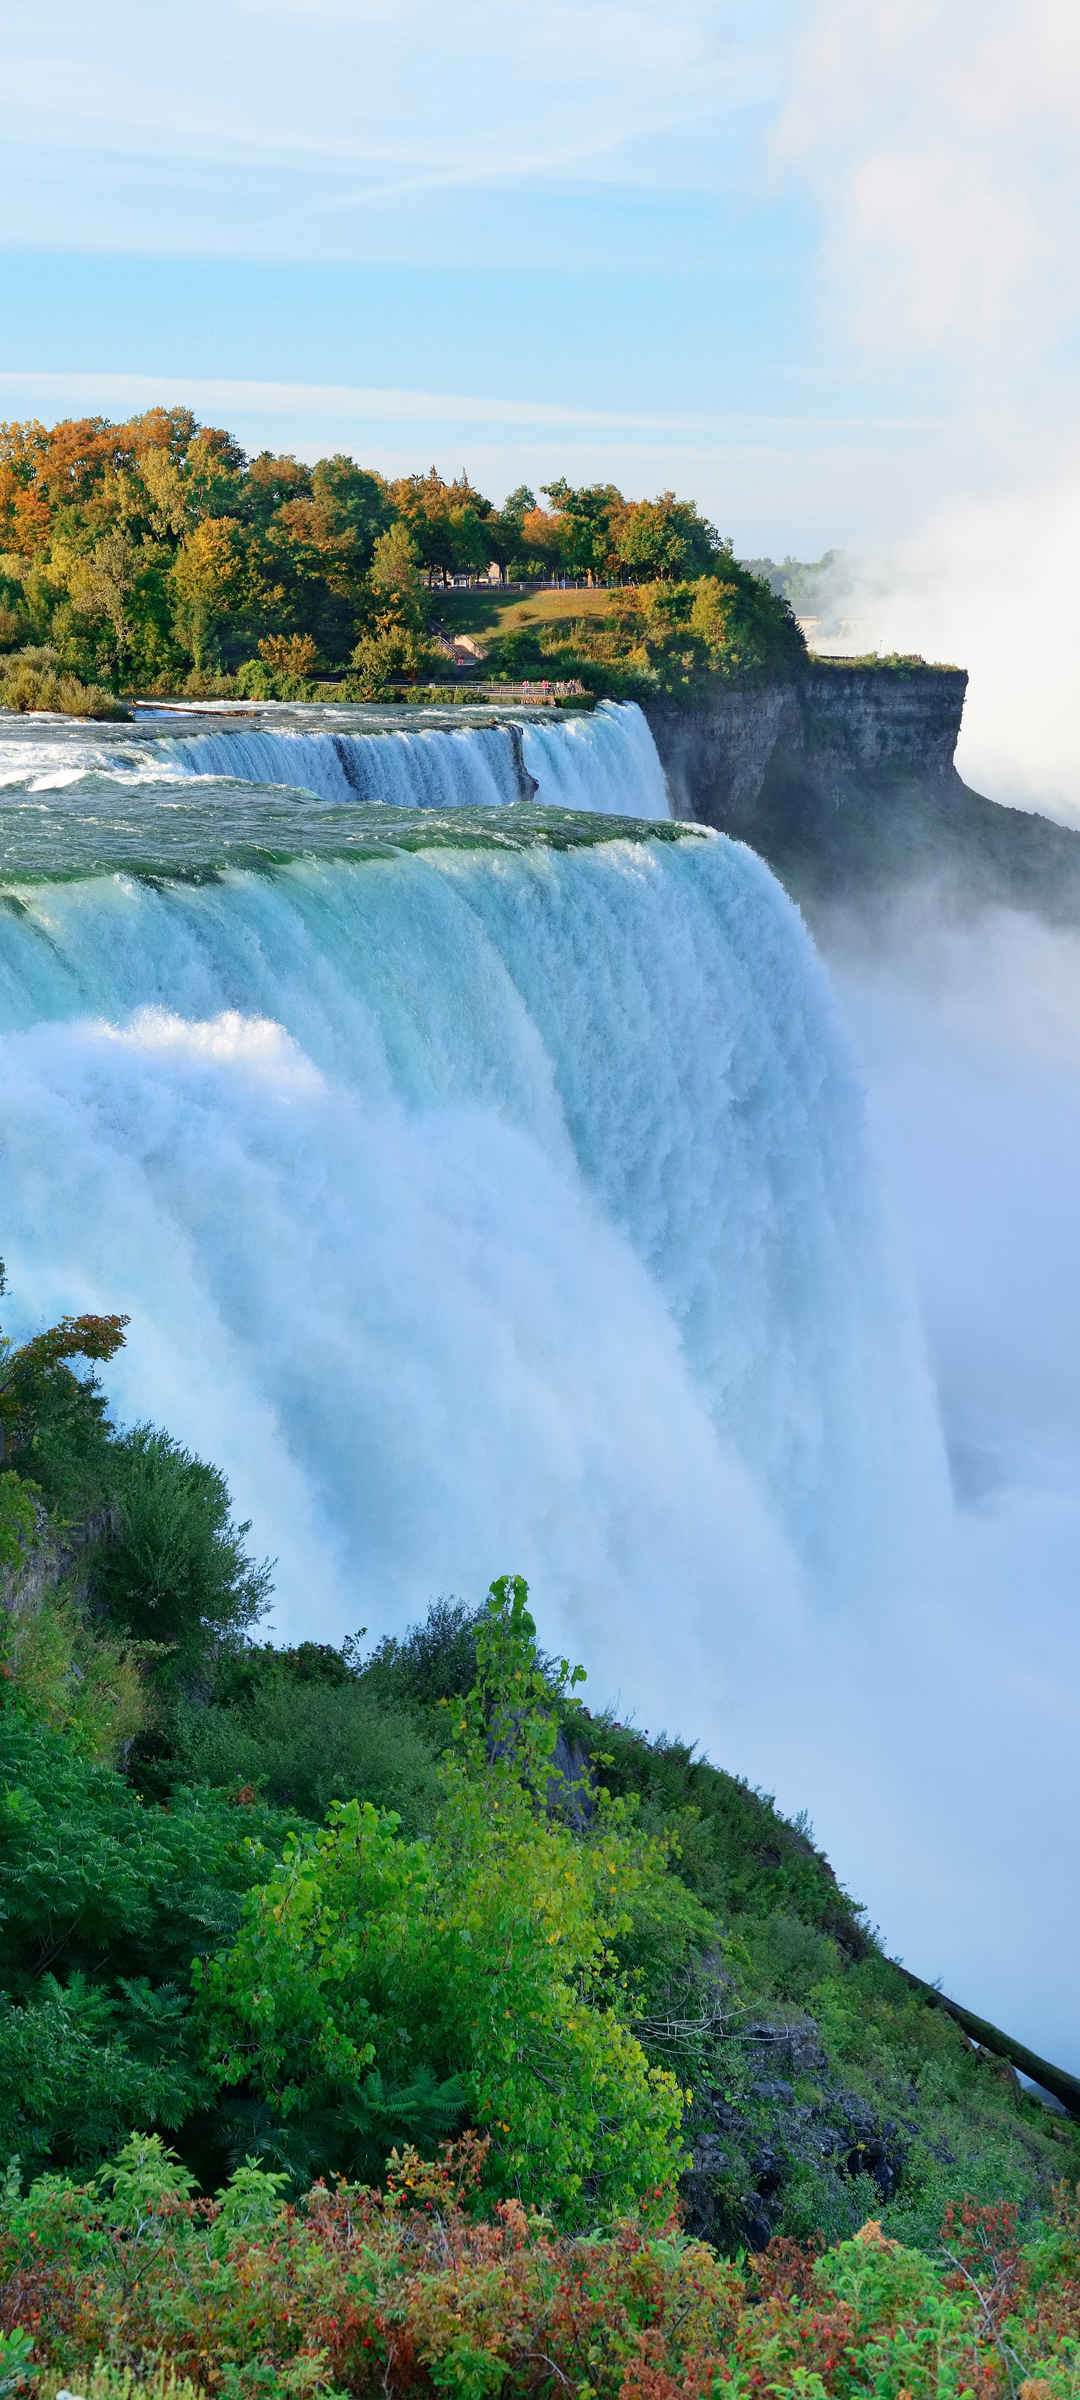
{"x":594,"y":762}
{"x":605,"y":762}
{"x":490,"y":1195}
{"x":469,"y":768}
{"x":477,"y":1209}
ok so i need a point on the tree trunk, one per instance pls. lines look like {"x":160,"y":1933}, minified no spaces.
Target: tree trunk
{"x":1064,"y":2087}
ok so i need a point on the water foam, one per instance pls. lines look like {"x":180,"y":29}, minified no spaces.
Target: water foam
{"x":605,"y":762}
{"x":431,"y":768}
{"x":472,"y":1209}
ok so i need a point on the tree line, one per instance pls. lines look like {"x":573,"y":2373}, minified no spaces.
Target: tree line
{"x":155,"y":554}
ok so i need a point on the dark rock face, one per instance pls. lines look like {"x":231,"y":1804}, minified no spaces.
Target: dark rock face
{"x":845,"y":783}
{"x":748,"y":2152}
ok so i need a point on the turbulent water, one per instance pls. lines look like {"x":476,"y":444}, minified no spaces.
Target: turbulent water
{"x":486,"y":1187}
{"x":398,"y":758}
{"x":486,"y":1179}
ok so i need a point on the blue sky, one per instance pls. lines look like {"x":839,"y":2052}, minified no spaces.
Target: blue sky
{"x":682,"y":244}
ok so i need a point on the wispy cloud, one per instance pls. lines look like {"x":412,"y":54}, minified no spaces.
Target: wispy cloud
{"x":376,"y":403}
{"x":371,"y":402}
{"x":408,"y":88}
{"x":941,"y":143}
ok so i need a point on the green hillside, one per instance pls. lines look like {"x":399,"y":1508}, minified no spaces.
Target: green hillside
{"x":330,"y":1909}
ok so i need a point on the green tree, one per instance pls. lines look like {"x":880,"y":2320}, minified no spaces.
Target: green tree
{"x":31,"y":1371}
{"x":587,"y":516}
{"x":105,"y":586}
{"x":176,"y":1571}
{"x":217,"y":583}
{"x":378,"y":1983}
{"x":663,"y":538}
{"x":390,"y":653}
{"x":394,"y":577}
{"x":353,"y":506}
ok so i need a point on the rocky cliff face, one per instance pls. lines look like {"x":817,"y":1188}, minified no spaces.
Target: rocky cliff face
{"x":845,"y":781}
{"x":53,"y":1557}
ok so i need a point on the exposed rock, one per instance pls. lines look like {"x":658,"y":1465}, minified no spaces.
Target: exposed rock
{"x":845,"y":782}
{"x":22,"y":1589}
{"x":746,"y":2153}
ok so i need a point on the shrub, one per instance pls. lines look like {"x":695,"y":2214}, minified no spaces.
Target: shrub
{"x":81,"y":1681}
{"x":176,"y":1572}
{"x":102,"y":2382}
{"x":255,"y":680}
{"x":37,"y":679}
{"x":52,"y":1422}
{"x":104,"y":1901}
{"x":410,"y":2291}
{"x":387,"y":653}
{"x":290,"y":655}
{"x":18,"y":1520}
{"x":378,"y":1982}
{"x":434,"y":1661}
{"x":309,"y":1744}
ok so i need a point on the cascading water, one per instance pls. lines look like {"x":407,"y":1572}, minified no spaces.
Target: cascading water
{"x":595,"y":762}
{"x":488,"y":1189}
{"x":477,"y":1206}
{"x":605,"y":763}
{"x":430,"y":769}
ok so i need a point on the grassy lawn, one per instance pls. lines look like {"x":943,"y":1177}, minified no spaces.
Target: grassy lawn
{"x":487,"y":610}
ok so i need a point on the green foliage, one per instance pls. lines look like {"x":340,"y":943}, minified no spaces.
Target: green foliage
{"x":306,"y":1744}
{"x":891,"y":662}
{"x":724,"y":624}
{"x":736,"y":1851}
{"x":36,"y":678}
{"x":434,"y":1662}
{"x":153,"y":555}
{"x":412,"y":2291}
{"x":43,"y":1405}
{"x":18,"y":1520}
{"x":256,"y":681}
{"x":517,"y":1917}
{"x":393,"y":649}
{"x":104,"y":1901}
{"x":103,"y":2382}
{"x":78,"y":1678}
{"x":377,"y":1978}
{"x":16,"y":2357}
{"x":80,"y":2063}
{"x":176,"y":1572}
{"x":670,"y":639}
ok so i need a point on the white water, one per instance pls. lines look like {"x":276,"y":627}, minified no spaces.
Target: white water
{"x":430,"y":769}
{"x":476,"y":1209}
{"x":592,"y":762}
{"x":487,"y":1207}
{"x":605,"y":762}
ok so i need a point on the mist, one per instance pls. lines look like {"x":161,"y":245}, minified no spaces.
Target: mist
{"x":987,"y":583}
{"x":967,"y":1837}
{"x":936,"y":149}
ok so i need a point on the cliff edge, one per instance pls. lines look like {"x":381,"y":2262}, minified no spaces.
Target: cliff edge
{"x":845,"y":781}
